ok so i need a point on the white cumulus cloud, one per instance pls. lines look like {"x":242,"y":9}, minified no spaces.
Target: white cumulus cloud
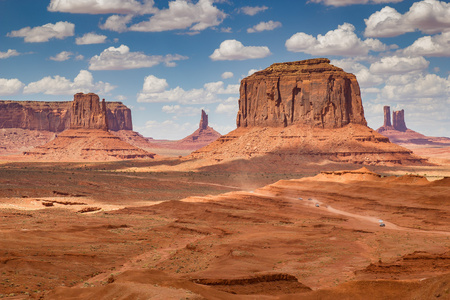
{"x":438,"y":45}
{"x":263,"y":26}
{"x":235,"y":50}
{"x":230,"y":106}
{"x":102,"y":6}
{"x":44,"y":33}
{"x":62,"y":56}
{"x":226,"y":75}
{"x":428,"y":16}
{"x":399,"y":65}
{"x":117,"y":23}
{"x":253,"y":10}
{"x":156,"y":90}
{"x":121,"y":58}
{"x":183,"y":14}
{"x":91,"y":38}
{"x":341,"y":41}
{"x":10,"y":86}
{"x":58,"y":85}
{"x":9,"y":53}
{"x":351,"y":2}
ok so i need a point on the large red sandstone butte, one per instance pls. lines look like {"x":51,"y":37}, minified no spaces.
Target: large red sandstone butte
{"x":303,"y":111}
{"x":310,"y":92}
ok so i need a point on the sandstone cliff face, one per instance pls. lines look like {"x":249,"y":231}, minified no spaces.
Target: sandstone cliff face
{"x":398,"y":119}
{"x":87,"y":112}
{"x":55,"y":116}
{"x":311,"y":92}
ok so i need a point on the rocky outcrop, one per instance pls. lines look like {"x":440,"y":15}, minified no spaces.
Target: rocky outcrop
{"x":311,"y":92}
{"x":203,"y":136}
{"x":86,"y":112}
{"x":398,"y":118}
{"x":398,"y":132}
{"x":203,"y":121}
{"x":387,"y":116}
{"x":303,"y":112}
{"x":55,"y":116}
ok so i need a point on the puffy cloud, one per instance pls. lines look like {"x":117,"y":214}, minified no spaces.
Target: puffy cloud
{"x":155,"y":90}
{"x":62,"y":56}
{"x":10,"y":86}
{"x":168,"y":129}
{"x":399,"y":65}
{"x":230,"y":106}
{"x":414,"y":87}
{"x":253,"y":10}
{"x":235,"y":50}
{"x":437,"y":45}
{"x":59,"y":30}
{"x":91,"y":38}
{"x":226,"y":75}
{"x":117,"y":23}
{"x":365,"y":78}
{"x":9,"y":53}
{"x":341,"y":41}
{"x":428,"y":16}
{"x":121,"y":58}
{"x":182,"y":110}
{"x":271,"y":25}
{"x":58,"y":85}
{"x":153,"y":84}
{"x":351,"y":2}
{"x":102,"y":6}
{"x":251,"y":71}
{"x":183,"y":14}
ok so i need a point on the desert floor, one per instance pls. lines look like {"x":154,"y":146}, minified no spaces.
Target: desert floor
{"x":117,"y":231}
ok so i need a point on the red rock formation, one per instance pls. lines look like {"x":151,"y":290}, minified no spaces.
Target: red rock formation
{"x":203,"y":136}
{"x":311,"y":92}
{"x":400,"y":134}
{"x":87,"y":113}
{"x":55,"y":116}
{"x":398,"y":118}
{"x":387,"y":116}
{"x":88,"y":137}
{"x":203,"y":120}
{"x":318,"y":107}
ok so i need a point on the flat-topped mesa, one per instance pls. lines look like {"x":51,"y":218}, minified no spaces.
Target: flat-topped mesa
{"x":87,"y":112}
{"x":311,"y":92}
{"x":55,"y":116}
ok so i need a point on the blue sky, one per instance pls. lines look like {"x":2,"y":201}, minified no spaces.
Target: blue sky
{"x":167,"y":60}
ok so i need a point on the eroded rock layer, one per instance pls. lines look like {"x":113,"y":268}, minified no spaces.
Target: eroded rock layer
{"x":86,"y":144}
{"x":311,"y":92}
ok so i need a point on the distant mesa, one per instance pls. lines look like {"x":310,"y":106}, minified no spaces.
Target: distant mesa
{"x":56,"y":116}
{"x":88,"y":137}
{"x":398,"y":133}
{"x":304,"y":111}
